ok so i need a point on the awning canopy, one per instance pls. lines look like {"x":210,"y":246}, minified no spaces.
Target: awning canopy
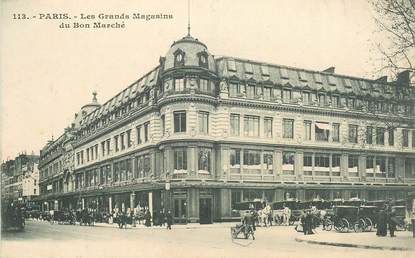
{"x":323,"y":126}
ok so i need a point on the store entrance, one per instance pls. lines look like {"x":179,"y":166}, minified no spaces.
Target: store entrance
{"x":205,"y":211}
{"x":180,"y":211}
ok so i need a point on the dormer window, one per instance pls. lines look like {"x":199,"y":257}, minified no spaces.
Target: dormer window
{"x":178,"y":58}
{"x":203,"y":59}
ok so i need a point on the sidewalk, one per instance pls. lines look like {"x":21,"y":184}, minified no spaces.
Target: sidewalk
{"x":367,"y":240}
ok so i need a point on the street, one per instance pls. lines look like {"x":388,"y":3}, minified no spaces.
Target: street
{"x":41,"y":239}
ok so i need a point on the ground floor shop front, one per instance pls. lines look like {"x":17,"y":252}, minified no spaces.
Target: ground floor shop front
{"x":203,"y":203}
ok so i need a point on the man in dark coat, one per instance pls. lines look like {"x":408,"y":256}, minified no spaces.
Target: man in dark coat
{"x":382,"y":221}
{"x":169,"y":219}
{"x":392,"y":222}
{"x":249,"y":223}
{"x":147,"y":218}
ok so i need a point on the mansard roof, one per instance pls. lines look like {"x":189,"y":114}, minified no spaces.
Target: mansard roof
{"x":146,"y":81}
{"x":241,"y":69}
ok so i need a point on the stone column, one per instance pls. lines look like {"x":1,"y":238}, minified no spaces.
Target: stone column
{"x":132,"y":200}
{"x":110,"y":203}
{"x":150,"y":202}
{"x":193,"y":204}
{"x":277,"y":163}
{"x":362,"y":167}
{"x":298,"y":164}
{"x":83,"y":203}
{"x":225,"y":203}
{"x":344,"y":164}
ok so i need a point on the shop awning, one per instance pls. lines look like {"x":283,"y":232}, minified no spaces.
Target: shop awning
{"x":323,"y":126}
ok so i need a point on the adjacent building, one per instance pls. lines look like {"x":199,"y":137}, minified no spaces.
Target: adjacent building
{"x":20,"y":178}
{"x":199,"y":133}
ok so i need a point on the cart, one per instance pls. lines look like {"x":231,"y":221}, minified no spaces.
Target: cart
{"x":239,"y":229}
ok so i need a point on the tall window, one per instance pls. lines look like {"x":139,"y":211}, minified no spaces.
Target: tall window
{"x":336,"y":132}
{"x":268,"y":127}
{"x":180,"y":159}
{"x":380,"y":136}
{"x":369,"y":135}
{"x":122,"y":138}
{"x":139,"y":135}
{"x":129,"y":138}
{"x":267,"y":93}
{"x":268,"y":161}
{"x":179,"y":121}
{"x":179,"y":84}
{"x":308,"y":163}
{"x":370,"y":160}
{"x":380,"y":166}
{"x":250,"y":91}
{"x":322,"y":164}
{"x":405,"y":138}
{"x":335,"y":165}
{"x":203,"y":122}
{"x":204,"y":85}
{"x":235,"y":157}
{"x":335,"y":101}
{"x":235,"y":124}
{"x":103,"y":148}
{"x":146,"y":128}
{"x":251,"y":125}
{"x":321,"y":99}
{"x":391,"y":138}
{"x":353,"y":164}
{"x":288,"y":128}
{"x":307,"y":98}
{"x":252,"y":159}
{"x":116,"y":143}
{"x":286,"y":95}
{"x":413,"y":138}
{"x":163,"y":124}
{"x":288,"y":162}
{"x":234,"y":89}
{"x":322,"y":131}
{"x":307,"y":130}
{"x":204,"y":160}
{"x":353,"y":133}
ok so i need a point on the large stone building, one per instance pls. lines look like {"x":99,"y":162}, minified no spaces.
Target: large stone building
{"x":20,"y":178}
{"x":199,"y":133}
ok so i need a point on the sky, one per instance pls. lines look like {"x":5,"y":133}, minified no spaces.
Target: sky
{"x":48,"y":73}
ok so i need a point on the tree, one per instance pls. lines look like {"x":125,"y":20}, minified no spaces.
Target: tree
{"x":396,"y":21}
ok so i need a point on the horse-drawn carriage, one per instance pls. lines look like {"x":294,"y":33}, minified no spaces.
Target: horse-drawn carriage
{"x":346,"y":218}
{"x":295,"y":207}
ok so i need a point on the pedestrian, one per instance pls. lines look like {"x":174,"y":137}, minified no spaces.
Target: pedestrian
{"x":162,"y":218}
{"x":382,"y":221}
{"x":169,"y":219}
{"x":392,"y":222}
{"x":147,"y":218}
{"x":249,"y":223}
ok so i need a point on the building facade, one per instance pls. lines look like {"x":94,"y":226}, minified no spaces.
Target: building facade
{"x":20,"y":178}
{"x":199,"y":133}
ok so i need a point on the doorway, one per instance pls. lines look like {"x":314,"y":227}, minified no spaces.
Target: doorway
{"x":205,"y":211}
{"x":180,"y":210}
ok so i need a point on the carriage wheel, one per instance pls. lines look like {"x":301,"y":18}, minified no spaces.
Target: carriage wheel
{"x":345,"y":225}
{"x":360,"y":225}
{"x":328,"y":224}
{"x":369,"y":224}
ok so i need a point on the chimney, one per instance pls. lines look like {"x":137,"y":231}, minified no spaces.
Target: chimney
{"x":402,"y":79}
{"x":330,"y":70}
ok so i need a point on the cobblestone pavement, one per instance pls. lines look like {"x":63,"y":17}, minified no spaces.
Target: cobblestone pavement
{"x":41,"y":239}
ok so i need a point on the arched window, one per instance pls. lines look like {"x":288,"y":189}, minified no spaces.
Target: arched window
{"x":203,"y":59}
{"x":179,"y":58}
